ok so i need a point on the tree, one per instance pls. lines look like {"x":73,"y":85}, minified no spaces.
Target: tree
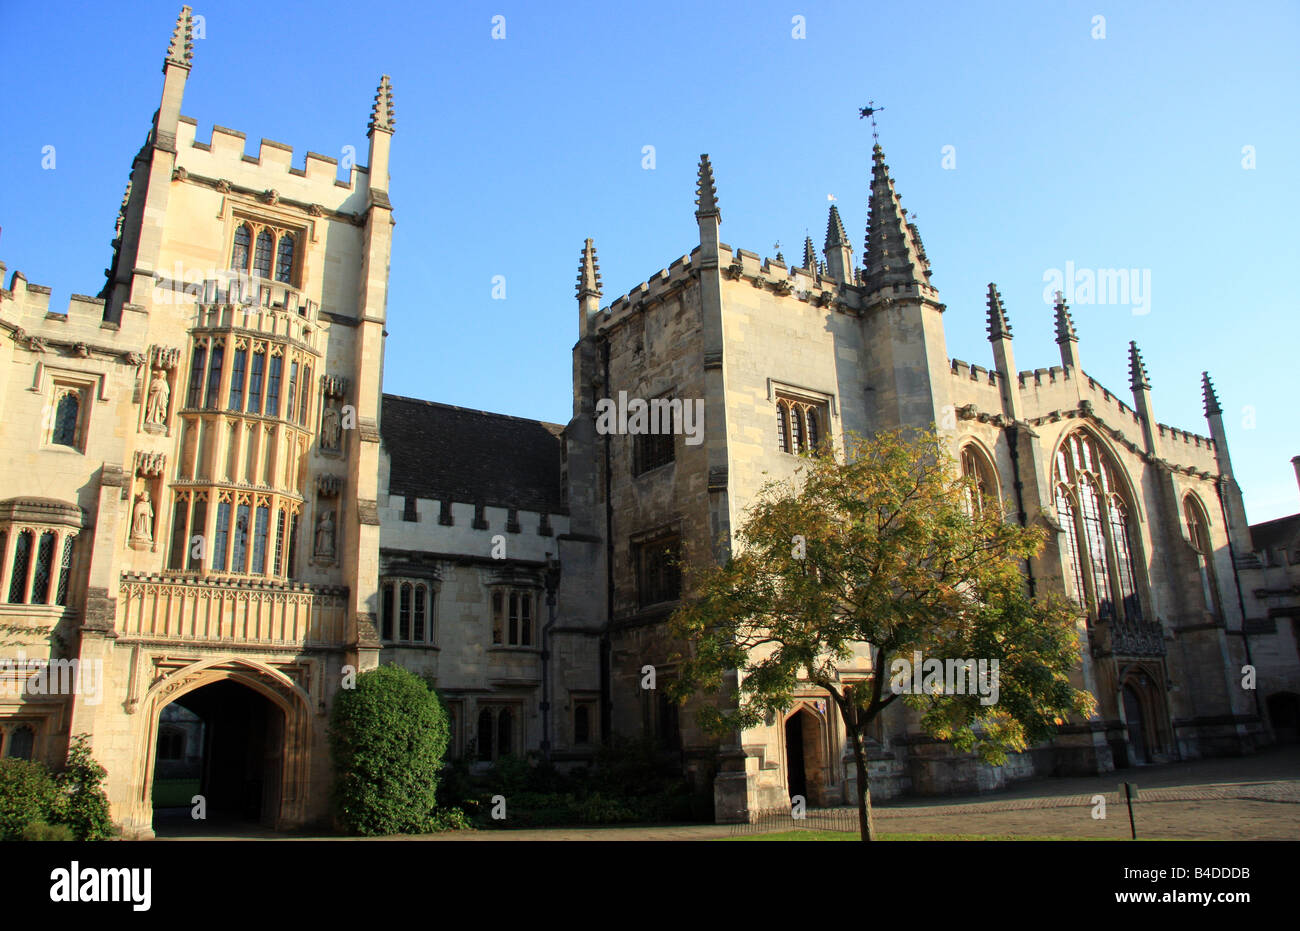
{"x":87,"y":805}
{"x":387,"y":737}
{"x":880,"y":552}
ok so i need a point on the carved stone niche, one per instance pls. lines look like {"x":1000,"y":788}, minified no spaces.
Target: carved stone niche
{"x":333,"y":418}
{"x":160,"y":388}
{"x":149,"y":469}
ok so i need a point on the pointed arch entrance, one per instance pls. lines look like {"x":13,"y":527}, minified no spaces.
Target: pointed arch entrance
{"x":1145,"y":715}
{"x":806,"y":757}
{"x":255,"y":751}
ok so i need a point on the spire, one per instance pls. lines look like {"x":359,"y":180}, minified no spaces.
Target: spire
{"x":1064,"y":325}
{"x":1137,"y":370}
{"x":1211,"y":399}
{"x":809,"y":255}
{"x":999,"y":328}
{"x":181,"y":50}
{"x":706,"y":193}
{"x":835,"y":235}
{"x":894,"y":254}
{"x":589,"y":272}
{"x":381,"y":114}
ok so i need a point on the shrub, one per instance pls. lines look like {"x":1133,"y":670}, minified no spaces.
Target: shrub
{"x":87,"y":805}
{"x":28,"y":796}
{"x":39,"y":830}
{"x":387,"y":736}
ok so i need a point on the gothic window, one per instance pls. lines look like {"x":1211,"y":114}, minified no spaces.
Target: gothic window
{"x":279,"y":541}
{"x":197,"y":365}
{"x":407,"y":612}
{"x":1100,"y":539}
{"x":293,"y":390}
{"x":212,"y":399}
{"x":512,"y":617}
{"x":582,"y":724}
{"x":652,"y":450}
{"x":259,"y":540}
{"x":303,"y":404}
{"x":1198,"y":531}
{"x":284,"y":259}
{"x":485,"y":728}
{"x":505,"y":733}
{"x":262,"y":254}
{"x":67,"y":415}
{"x":255,"y":382}
{"x":18,"y":574}
{"x":65,"y":572}
{"x":239,"y":251}
{"x":658,"y":573}
{"x":667,"y":729}
{"x":239,"y":558}
{"x":180,"y":538}
{"x":293,"y":547}
{"x":981,"y":490}
{"x":237,"y":380}
{"x":273,"y":388}
{"x":197,"y":525}
{"x":21,"y":742}
{"x":800,"y":425}
{"x":222,"y":536}
{"x":44,"y":566}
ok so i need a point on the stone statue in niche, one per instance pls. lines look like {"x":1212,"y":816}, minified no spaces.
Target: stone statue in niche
{"x":155,"y":411}
{"x":325,"y":534}
{"x":331,"y":429}
{"x":142,"y":518}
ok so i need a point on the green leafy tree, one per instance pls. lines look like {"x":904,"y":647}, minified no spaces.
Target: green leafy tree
{"x":881,"y":552}
{"x":82,"y":780}
{"x":387,"y":737}
{"x":30,"y":801}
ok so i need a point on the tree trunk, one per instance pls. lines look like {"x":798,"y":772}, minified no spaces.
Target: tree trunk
{"x":866,"y":823}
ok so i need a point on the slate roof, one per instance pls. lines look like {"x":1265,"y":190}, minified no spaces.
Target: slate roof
{"x":1275,"y":534}
{"x":439,"y":451}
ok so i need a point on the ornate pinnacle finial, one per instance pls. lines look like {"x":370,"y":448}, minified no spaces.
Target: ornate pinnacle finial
{"x":1064,"y":325}
{"x":706,"y":192}
{"x":181,"y":49}
{"x":999,"y":328}
{"x":1211,"y":399}
{"x":588,"y":272}
{"x":893,"y":253}
{"x":809,"y":255}
{"x":1137,"y":370}
{"x":381,"y":114}
{"x":835,"y":235}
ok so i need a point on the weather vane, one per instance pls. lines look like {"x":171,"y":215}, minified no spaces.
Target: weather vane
{"x":870,"y":110}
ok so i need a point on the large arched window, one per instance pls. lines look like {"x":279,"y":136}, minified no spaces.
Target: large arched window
{"x":1198,"y":531}
{"x":982,"y":492}
{"x":800,"y":425}
{"x":1100,"y":547}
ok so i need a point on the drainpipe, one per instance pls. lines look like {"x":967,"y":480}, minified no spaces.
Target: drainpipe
{"x":606,"y":701}
{"x":552,"y":579}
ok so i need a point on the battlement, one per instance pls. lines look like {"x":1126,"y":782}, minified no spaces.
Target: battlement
{"x":1112,"y":400}
{"x":1189,"y":439}
{"x":976,"y":373}
{"x":224,"y":157}
{"x":79,"y":329}
{"x":659,"y":286}
{"x":1036,"y":376}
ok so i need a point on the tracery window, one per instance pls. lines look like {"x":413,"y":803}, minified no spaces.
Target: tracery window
{"x":18,"y":576}
{"x":258,"y":249}
{"x":512,"y":617}
{"x":800,"y":425}
{"x":1100,"y":552}
{"x":262,"y":254}
{"x":284,"y":259}
{"x":982,"y":491}
{"x":67,"y":417}
{"x":496,"y":732}
{"x":407,"y":611}
{"x":239,"y":252}
{"x":1198,"y":531}
{"x":658,"y":573}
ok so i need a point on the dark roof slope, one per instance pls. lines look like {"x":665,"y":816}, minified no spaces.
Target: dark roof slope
{"x":443,"y":452}
{"x":1275,"y":534}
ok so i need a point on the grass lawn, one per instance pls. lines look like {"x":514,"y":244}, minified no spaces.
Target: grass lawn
{"x":845,"y":835}
{"x":174,"y":793}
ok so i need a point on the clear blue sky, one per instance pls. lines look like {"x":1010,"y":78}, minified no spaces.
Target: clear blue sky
{"x":1122,"y":152}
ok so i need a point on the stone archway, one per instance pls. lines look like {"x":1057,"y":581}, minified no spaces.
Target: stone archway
{"x":806,"y":759}
{"x":1141,"y":697}
{"x":283,"y":735}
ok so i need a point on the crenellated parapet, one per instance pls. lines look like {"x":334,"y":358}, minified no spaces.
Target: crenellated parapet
{"x":78,"y":332}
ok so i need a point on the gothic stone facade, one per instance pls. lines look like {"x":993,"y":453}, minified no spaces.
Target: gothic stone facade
{"x":210,"y":505}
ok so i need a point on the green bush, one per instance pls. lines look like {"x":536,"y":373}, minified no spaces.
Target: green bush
{"x":87,"y":805}
{"x":39,"y":830}
{"x":28,"y":796}
{"x":387,"y":736}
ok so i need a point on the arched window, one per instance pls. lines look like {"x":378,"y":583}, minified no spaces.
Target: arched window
{"x":800,"y":425}
{"x":66,"y":416}
{"x":812,"y":432}
{"x":782,"y":427}
{"x":44,"y":569}
{"x":262,"y":254}
{"x":1100,"y":540}
{"x":485,"y":723}
{"x":581,"y":725}
{"x":1198,"y":531}
{"x":505,"y":733}
{"x":982,"y":490}
{"x":18,"y":575}
{"x":284,"y":259}
{"x":21,"y":741}
{"x":239,"y":251}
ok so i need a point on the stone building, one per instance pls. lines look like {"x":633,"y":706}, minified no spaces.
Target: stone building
{"x":210,"y":513}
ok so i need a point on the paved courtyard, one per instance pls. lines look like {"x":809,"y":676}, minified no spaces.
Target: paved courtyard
{"x":1243,"y":798}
